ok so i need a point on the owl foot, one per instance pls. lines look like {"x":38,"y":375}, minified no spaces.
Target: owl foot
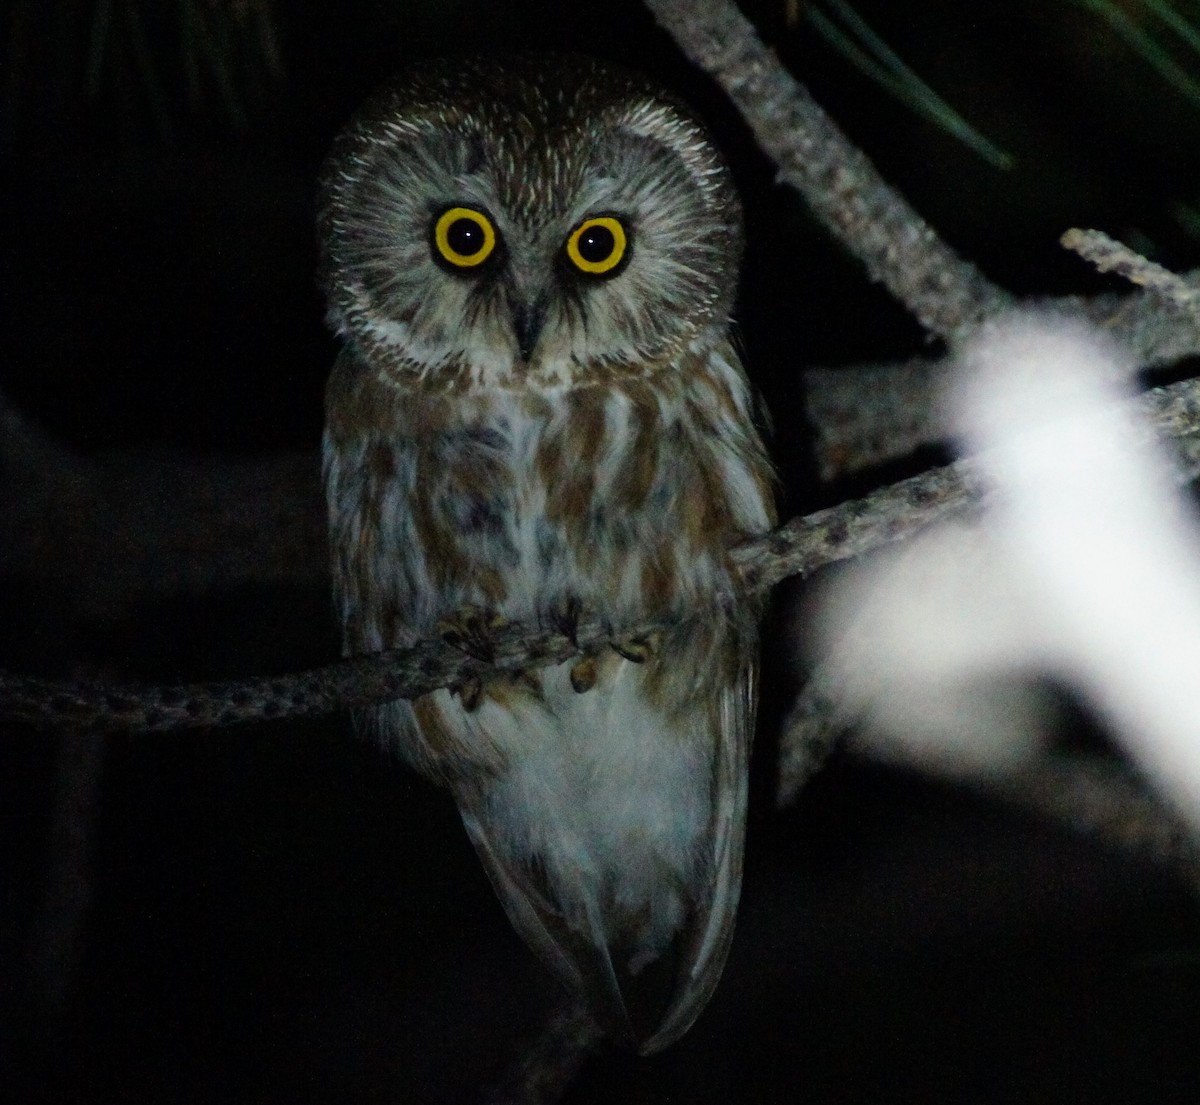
{"x":470,"y":629}
{"x":566,"y":618}
{"x":638,"y":649}
{"x":471,"y":694}
{"x":503,"y":688}
{"x":583,"y":675}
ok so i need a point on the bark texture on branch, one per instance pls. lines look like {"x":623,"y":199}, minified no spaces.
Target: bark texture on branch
{"x":799,"y":547}
{"x":946,"y":294}
{"x":864,"y":415}
{"x":1109,"y":255}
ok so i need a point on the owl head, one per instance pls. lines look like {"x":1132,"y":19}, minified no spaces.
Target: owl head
{"x":533,"y":219}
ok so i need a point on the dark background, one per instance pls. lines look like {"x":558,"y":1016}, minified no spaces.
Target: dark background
{"x":280,"y":913}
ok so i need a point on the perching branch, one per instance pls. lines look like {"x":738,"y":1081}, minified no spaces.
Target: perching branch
{"x":946,"y":294}
{"x":800,"y":547}
{"x":359,"y":681}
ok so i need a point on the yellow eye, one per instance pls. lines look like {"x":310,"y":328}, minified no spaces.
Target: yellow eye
{"x":463,"y":237}
{"x":597,"y":246}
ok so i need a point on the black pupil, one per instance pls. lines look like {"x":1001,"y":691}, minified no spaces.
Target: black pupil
{"x":596,"y":244}
{"x":465,"y":237}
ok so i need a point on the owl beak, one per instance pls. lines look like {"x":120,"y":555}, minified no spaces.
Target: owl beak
{"x":527,"y":325}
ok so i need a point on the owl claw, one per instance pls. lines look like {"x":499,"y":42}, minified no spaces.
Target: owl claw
{"x":566,"y":618}
{"x":471,"y":694}
{"x":638,"y":649}
{"x":471,"y":629}
{"x":583,"y":675}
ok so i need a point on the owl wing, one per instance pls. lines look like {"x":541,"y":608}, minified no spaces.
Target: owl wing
{"x":652,"y":1009}
{"x":710,"y":931}
{"x":579,"y":961}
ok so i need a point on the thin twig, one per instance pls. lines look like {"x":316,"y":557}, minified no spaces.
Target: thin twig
{"x":948,"y":295}
{"x":1109,"y":255}
{"x":864,"y":415}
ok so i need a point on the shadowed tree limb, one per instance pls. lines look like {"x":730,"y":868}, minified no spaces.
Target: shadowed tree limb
{"x":870,"y":414}
{"x":541,"y":1072}
{"x":127,"y":528}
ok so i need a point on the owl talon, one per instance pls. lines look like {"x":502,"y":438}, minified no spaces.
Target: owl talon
{"x":583,"y":675}
{"x":637,"y":649}
{"x":566,"y":618}
{"x":471,"y":630}
{"x":471,"y":694}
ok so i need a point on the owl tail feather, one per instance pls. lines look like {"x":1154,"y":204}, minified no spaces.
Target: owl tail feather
{"x":581,"y":961}
{"x":644,"y":972}
{"x":641,"y":1003}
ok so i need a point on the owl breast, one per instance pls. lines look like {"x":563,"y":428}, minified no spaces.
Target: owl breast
{"x":620,"y":498}
{"x":610,"y":822}
{"x":537,"y":414}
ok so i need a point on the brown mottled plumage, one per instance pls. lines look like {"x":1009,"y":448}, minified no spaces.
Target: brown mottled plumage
{"x":538,"y":411}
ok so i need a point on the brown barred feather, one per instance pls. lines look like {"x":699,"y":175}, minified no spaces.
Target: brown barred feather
{"x":524,"y":439}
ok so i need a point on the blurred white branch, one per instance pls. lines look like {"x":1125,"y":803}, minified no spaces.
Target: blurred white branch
{"x":864,"y":415}
{"x":1084,"y":564}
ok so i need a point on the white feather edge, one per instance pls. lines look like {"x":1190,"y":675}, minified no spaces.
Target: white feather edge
{"x":731,"y":795}
{"x":581,"y":959}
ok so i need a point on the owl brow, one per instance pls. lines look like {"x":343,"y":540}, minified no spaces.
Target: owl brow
{"x":678,"y":137}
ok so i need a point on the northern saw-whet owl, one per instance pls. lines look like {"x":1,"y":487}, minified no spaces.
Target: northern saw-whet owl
{"x":538,"y":412}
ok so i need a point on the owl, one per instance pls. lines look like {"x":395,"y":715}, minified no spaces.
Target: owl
{"x":538,"y":414}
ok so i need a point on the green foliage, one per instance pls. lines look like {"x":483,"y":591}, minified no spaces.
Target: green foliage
{"x":848,"y":33}
{"x":165,"y":60}
{"x":1153,"y":43}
